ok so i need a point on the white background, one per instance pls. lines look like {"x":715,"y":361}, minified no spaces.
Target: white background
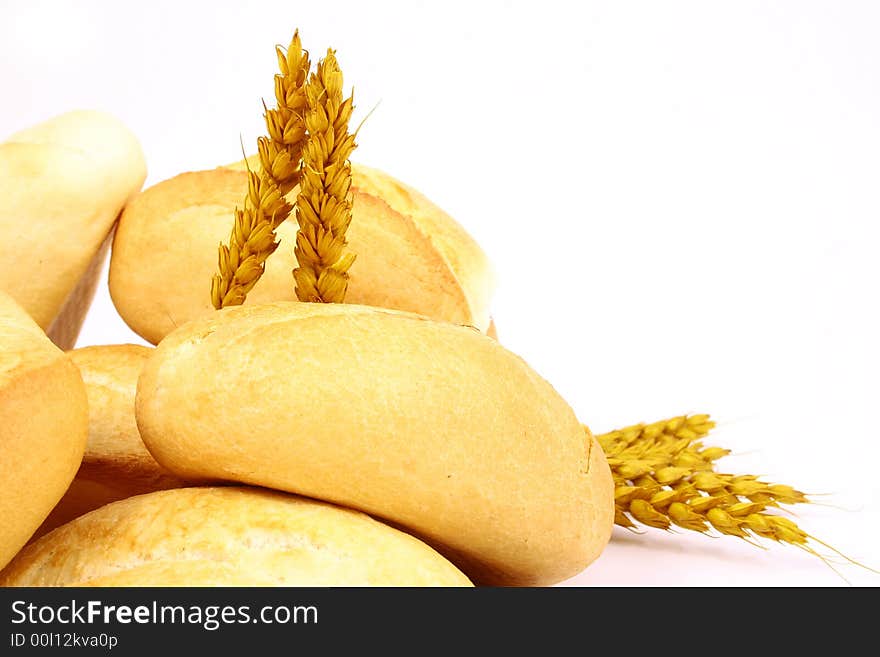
{"x":681,"y":200}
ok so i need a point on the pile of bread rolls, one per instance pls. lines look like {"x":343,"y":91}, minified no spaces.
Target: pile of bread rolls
{"x":390,"y":440}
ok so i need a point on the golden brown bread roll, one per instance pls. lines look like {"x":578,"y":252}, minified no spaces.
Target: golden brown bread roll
{"x":43,"y":426}
{"x":410,"y":255}
{"x":227,"y":537}
{"x":116,"y":464}
{"x":433,"y":427}
{"x":62,"y":184}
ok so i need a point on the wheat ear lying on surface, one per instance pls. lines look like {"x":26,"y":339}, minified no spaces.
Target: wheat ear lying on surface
{"x":664,"y":476}
{"x":324,"y":203}
{"x":252,"y":241}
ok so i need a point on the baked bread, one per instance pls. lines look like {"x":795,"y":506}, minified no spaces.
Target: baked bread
{"x":62,"y":184}
{"x":116,"y":465}
{"x":227,"y":537}
{"x":410,"y":255}
{"x":434,"y":427}
{"x":43,"y":426}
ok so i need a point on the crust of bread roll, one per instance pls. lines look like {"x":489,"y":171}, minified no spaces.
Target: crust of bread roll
{"x":116,"y":464}
{"x":226,"y":537}
{"x":64,"y":329}
{"x":460,"y":251}
{"x":43,"y":426}
{"x":63,"y":183}
{"x":165,"y":253}
{"x":433,"y":427}
{"x":188,"y":573}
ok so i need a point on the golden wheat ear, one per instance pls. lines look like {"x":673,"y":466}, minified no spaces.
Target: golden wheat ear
{"x":252,"y":240}
{"x":324,"y":203}
{"x":664,"y":478}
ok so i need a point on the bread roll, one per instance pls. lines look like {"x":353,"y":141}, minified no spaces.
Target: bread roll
{"x":62,"y":185}
{"x":433,"y":427}
{"x":463,"y":255}
{"x":410,"y":255}
{"x":116,"y":464}
{"x":227,"y":537}
{"x":43,"y":426}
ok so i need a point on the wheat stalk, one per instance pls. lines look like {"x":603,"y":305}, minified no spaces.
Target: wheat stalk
{"x":252,"y":240}
{"x":324,"y":203}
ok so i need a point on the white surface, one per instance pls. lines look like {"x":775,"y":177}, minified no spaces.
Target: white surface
{"x":681,"y":200}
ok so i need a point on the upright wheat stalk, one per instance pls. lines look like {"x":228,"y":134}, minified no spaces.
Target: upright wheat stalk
{"x":324,"y":204}
{"x":252,"y":241}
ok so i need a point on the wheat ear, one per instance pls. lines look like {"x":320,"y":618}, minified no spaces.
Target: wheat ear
{"x":664,"y":476}
{"x":324,"y":203}
{"x":252,"y":241}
